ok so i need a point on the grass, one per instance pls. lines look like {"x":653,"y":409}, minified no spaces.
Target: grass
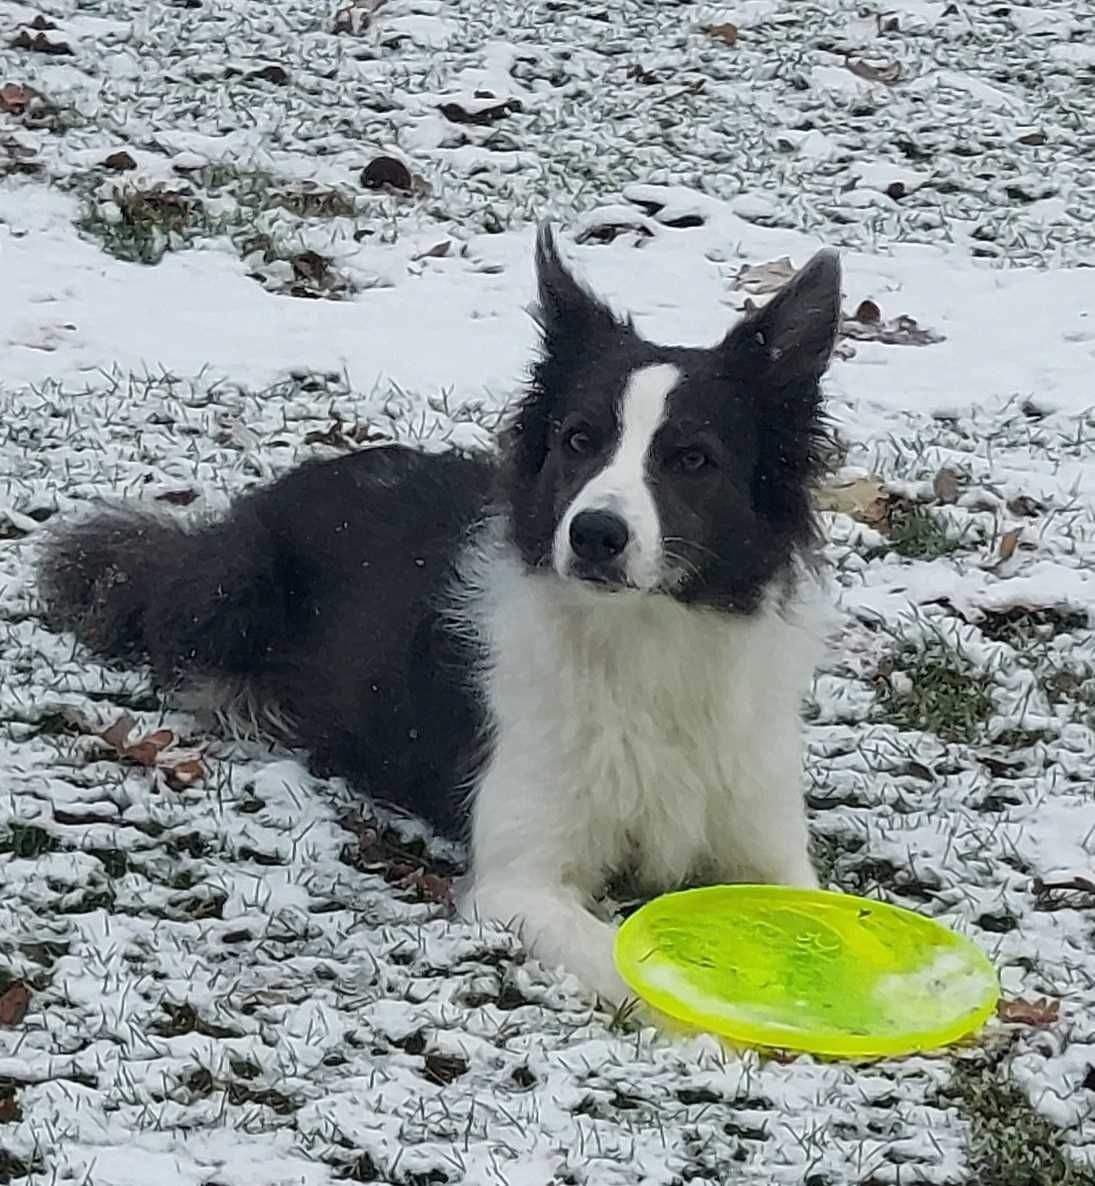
{"x":918,"y":534}
{"x":27,"y":842}
{"x":141,"y":226}
{"x":944,"y":695}
{"x":1011,"y":1143}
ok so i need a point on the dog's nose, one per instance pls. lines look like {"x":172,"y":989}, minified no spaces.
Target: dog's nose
{"x":597,"y":536}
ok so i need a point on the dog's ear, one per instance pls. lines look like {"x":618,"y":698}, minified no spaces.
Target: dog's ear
{"x":791,"y":339}
{"x":566,"y":310}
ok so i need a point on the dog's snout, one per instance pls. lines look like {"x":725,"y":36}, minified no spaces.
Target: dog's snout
{"x":598,"y":536}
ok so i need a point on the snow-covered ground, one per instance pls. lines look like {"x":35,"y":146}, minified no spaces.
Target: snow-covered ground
{"x":228,"y":979}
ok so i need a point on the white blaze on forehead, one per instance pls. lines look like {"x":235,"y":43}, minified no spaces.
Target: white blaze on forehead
{"x":622,"y":486}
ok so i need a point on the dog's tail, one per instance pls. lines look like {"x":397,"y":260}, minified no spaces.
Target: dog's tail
{"x":194,"y":600}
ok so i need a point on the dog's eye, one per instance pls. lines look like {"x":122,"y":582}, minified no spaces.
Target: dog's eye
{"x":579,"y":441}
{"x":692,"y":460}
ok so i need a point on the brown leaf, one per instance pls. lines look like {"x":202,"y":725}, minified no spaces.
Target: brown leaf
{"x":177,"y":498}
{"x":884,"y":72}
{"x":480,"y":116}
{"x":15,"y":98}
{"x":1033,"y":139}
{"x":274,"y":73}
{"x":1020,"y":1012}
{"x":332,"y":436}
{"x":1009,"y":541}
{"x":444,"y":1068}
{"x":437,"y":251}
{"x":726,"y":32}
{"x":145,"y":751}
{"x":119,"y":162}
{"x":1024,"y":506}
{"x":945,"y":485}
{"x":14,"y":1004}
{"x":148,"y":749}
{"x":1075,"y":885}
{"x":867,"y":312}
{"x":311,"y":266}
{"x":387,"y":173}
{"x":183,"y":775}
{"x":866,"y":499}
{"x":901,"y":331}
{"x":117,"y":735}
{"x":10,"y":1112}
{"x":765,"y":278}
{"x":356,"y":16}
{"x":39,"y":43}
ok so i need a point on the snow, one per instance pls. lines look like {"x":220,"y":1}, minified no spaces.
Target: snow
{"x":218,"y":997}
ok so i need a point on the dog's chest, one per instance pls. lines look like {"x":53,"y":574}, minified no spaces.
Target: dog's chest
{"x":638,"y":719}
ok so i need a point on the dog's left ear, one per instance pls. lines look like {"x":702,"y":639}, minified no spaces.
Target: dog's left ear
{"x":793,"y":336}
{"x":565,"y":308}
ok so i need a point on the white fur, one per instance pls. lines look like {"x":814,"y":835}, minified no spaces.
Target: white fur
{"x":628,"y":730}
{"x":622,"y":486}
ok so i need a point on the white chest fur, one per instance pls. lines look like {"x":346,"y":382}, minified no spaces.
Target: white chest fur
{"x":630,"y":729}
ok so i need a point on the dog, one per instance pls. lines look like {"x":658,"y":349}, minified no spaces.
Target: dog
{"x":583,"y":653}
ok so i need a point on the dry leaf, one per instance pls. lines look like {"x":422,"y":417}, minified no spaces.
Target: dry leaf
{"x":1019,"y":1012}
{"x":1075,"y":885}
{"x":901,"y":331}
{"x":356,"y":17}
{"x":148,"y":749}
{"x":40,"y":44}
{"x":145,"y":750}
{"x":183,"y":775}
{"x":387,"y":173}
{"x":1024,"y":506}
{"x":437,"y":251}
{"x":885,"y":72}
{"x":481,"y":117}
{"x":15,"y":98}
{"x":14,"y":1004}
{"x":726,"y":32}
{"x":177,"y":498}
{"x":945,"y":484}
{"x":273,"y":73}
{"x":865,"y":500}
{"x":119,"y":162}
{"x":1009,"y":541}
{"x":867,"y":312}
{"x":765,"y":278}
{"x":10,"y":1112}
{"x":116,"y":735}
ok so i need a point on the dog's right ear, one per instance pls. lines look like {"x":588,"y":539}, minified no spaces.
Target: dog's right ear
{"x":566,"y":310}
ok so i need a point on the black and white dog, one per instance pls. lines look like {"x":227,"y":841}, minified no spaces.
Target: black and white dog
{"x":586,"y":655}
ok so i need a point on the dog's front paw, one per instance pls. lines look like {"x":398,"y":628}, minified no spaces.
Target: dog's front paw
{"x":557,"y":929}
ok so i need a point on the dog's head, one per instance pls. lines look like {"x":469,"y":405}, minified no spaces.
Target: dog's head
{"x":671,"y":470}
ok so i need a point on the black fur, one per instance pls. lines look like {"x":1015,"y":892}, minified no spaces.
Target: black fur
{"x":323,"y":594}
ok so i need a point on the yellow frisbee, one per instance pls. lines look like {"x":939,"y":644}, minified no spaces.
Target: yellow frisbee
{"x":806,"y":970}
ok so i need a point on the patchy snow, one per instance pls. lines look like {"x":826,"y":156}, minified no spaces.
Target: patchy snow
{"x":223,"y":992}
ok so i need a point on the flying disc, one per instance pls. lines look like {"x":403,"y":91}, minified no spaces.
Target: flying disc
{"x":806,"y":970}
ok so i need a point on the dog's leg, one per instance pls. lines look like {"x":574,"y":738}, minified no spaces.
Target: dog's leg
{"x":554,"y":923}
{"x":764,"y":836}
{"x":535,"y":870}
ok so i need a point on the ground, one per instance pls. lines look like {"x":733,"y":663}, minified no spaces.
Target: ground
{"x":234,"y":233}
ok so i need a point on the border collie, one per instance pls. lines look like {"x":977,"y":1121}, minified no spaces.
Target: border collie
{"x":585,"y":655}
